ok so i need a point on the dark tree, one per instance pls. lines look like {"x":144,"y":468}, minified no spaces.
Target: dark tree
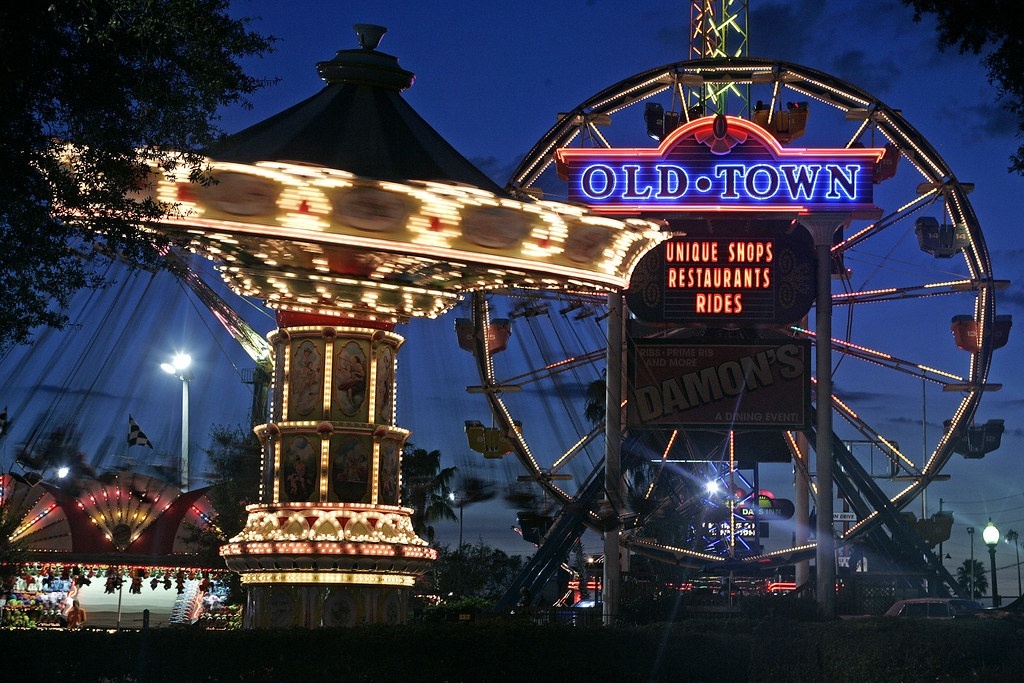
{"x":594,"y":409}
{"x":94,"y":91}
{"x":12,"y":550}
{"x":993,"y":30}
{"x":963,"y":577}
{"x":475,"y":571}
{"x":427,"y":489}
{"x":235,"y":458}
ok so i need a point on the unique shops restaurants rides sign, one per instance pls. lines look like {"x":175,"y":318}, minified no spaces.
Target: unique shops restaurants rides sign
{"x":743,"y":261}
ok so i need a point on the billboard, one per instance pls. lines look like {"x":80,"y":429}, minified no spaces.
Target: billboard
{"x":747,"y":384}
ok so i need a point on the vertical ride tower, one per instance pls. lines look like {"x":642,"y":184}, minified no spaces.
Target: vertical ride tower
{"x":331,"y":545}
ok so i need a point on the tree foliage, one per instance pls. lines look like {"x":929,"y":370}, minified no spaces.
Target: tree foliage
{"x":474,"y":571}
{"x":963,"y":577}
{"x":991,"y":29}
{"x":12,"y":550}
{"x":235,"y":458}
{"x":93,"y":92}
{"x":427,"y":489}
{"x":594,"y":408}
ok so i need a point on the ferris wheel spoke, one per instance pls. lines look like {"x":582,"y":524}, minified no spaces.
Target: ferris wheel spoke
{"x":887,"y":447}
{"x":948,"y":380}
{"x":885,"y":222}
{"x":916,"y":291}
{"x":549,"y":371}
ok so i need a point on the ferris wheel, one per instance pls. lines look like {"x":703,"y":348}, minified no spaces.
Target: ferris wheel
{"x":901,"y":283}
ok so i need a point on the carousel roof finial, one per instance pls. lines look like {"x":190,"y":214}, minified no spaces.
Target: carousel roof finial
{"x":366,"y":66}
{"x":369,"y":35}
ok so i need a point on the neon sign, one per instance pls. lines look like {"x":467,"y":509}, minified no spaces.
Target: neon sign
{"x":719,"y":164}
{"x":762,"y":274}
{"x":741,"y":528}
{"x":719,"y":277}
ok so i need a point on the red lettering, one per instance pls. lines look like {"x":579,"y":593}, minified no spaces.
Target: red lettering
{"x":728,"y":304}
{"x":751,"y":252}
{"x":691,"y":252}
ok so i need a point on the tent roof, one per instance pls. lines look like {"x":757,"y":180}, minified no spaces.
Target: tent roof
{"x":129,"y":519}
{"x":358,"y":123}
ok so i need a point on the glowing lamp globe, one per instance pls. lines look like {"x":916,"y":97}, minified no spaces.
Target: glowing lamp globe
{"x":990,"y":534}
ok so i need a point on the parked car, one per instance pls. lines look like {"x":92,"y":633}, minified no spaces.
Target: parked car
{"x":935,"y":608}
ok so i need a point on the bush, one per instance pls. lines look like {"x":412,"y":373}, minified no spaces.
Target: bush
{"x":463,"y":609}
{"x":798,"y":608}
{"x":709,"y":649}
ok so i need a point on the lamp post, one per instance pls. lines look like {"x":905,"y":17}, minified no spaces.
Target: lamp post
{"x":1011,"y":535}
{"x":179,"y":368}
{"x":461,"y":504}
{"x":970,"y":571}
{"x":991,"y":536}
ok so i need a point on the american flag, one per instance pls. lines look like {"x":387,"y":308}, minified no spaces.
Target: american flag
{"x":136,"y":437}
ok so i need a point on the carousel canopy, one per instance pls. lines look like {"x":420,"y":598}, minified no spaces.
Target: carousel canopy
{"x":349,"y":205}
{"x":358,"y":123}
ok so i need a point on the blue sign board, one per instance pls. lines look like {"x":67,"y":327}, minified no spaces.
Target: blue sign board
{"x":719,"y":164}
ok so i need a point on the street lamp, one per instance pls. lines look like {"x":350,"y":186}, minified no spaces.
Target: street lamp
{"x":461,"y":504}
{"x":991,"y":536}
{"x":179,"y":368}
{"x":473,"y":490}
{"x":970,"y":573}
{"x":1011,"y":535}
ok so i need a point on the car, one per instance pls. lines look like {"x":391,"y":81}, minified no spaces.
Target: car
{"x":963,"y":605}
{"x":934,"y":608}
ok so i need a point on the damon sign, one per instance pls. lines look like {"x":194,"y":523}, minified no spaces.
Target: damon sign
{"x":719,"y":163}
{"x":750,"y":384}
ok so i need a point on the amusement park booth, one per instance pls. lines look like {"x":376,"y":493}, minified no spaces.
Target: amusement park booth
{"x":123,"y":547}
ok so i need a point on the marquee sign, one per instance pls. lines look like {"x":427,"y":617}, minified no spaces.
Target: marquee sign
{"x":720,"y":163}
{"x":762,"y":273}
{"x":726,"y":528}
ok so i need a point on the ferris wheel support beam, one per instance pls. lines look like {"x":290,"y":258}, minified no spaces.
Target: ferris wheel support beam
{"x":613,"y":482}
{"x":822,"y":228}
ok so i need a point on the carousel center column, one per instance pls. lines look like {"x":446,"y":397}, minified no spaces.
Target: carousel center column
{"x":329,"y":543}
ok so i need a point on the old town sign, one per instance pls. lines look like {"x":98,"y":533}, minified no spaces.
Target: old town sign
{"x":730,"y":192}
{"x":717,"y":164}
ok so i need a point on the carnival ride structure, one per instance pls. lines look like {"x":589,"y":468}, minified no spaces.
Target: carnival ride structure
{"x":919,"y":264}
{"x":348,"y":215}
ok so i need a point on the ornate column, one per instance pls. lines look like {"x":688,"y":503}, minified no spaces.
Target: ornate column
{"x":329,"y":544}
